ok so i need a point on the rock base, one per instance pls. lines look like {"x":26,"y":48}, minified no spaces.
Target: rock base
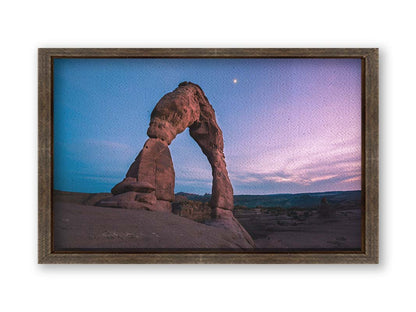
{"x":136,"y":200}
{"x":223,"y":218}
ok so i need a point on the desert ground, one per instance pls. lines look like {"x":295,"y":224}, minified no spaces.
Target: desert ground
{"x":287,"y":222}
{"x":302,"y":230}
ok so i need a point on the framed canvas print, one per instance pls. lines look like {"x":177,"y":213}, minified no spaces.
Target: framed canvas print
{"x":208,"y":156}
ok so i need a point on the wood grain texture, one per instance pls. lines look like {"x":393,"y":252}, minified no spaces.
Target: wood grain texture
{"x":369,"y":253}
{"x":370,"y":162}
{"x":206,"y":53}
{"x":45,"y":156}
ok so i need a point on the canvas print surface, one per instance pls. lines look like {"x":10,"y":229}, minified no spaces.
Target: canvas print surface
{"x":207,"y":154}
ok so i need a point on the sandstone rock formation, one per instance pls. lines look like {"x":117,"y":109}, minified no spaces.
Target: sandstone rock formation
{"x":150,"y":180}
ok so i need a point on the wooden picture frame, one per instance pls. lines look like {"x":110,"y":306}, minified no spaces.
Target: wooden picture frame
{"x":369,"y":165}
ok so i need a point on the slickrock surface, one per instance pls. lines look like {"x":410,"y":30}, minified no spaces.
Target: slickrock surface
{"x":82,"y":227}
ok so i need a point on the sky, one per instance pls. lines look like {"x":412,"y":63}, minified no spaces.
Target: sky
{"x":289,"y":125}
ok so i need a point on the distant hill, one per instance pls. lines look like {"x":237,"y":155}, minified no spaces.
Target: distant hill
{"x":337,"y":199}
{"x":304,"y":200}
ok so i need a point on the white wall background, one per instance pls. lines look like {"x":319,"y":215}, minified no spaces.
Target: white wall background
{"x":28,"y":25}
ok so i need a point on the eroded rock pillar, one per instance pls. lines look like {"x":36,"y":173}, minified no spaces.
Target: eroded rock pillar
{"x":149,"y":182}
{"x":210,"y":140}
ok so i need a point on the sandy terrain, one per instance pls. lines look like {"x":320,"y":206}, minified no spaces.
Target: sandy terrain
{"x":280,"y":231}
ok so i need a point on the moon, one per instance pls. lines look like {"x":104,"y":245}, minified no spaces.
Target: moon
{"x":235,"y":80}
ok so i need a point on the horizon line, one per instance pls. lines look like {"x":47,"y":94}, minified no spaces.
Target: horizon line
{"x":233,"y":194}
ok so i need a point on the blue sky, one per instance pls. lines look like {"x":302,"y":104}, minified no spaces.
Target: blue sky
{"x":289,"y":125}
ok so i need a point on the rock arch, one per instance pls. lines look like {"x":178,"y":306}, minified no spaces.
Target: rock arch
{"x":150,"y":180}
